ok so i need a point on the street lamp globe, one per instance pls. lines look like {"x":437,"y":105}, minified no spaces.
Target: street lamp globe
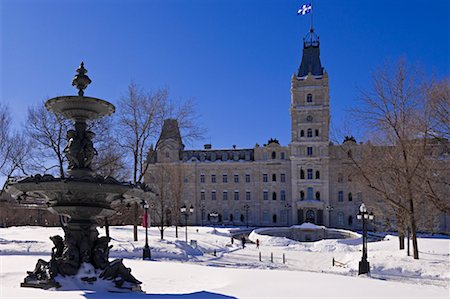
{"x":183,"y":209}
{"x":191,"y":209}
{"x":363,"y":208}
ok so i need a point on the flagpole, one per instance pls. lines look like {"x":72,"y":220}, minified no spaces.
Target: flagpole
{"x":311,"y":30}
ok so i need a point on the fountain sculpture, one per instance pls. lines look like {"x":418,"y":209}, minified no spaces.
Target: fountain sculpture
{"x":81,"y":197}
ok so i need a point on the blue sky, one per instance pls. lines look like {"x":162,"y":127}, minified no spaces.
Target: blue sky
{"x":235,"y":58}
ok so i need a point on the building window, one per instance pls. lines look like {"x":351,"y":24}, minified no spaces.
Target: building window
{"x":283,"y":177}
{"x":202,"y":178}
{"x":226,"y":215}
{"x":341,"y":218}
{"x":283,"y":195}
{"x":310,"y":173}
{"x":265,"y":195}
{"x":224,"y":178}
{"x":350,"y":196}
{"x":265,"y":178}
{"x":213,"y":195}
{"x":309,"y":133}
{"x":274,"y":155}
{"x":266,"y":216}
{"x":302,"y":195}
{"x":264,"y":156}
{"x":317,"y":175}
{"x":302,"y":174}
{"x":247,"y":178}
{"x":202,"y":195}
{"x":340,"y":196}
{"x":274,"y":218}
{"x":309,"y":193}
{"x":213,"y":178}
{"x":225,"y":195}
{"x":236,"y":195}
{"x":248,"y":195}
{"x":309,"y":150}
{"x":167,"y":154}
{"x":282,"y":156}
{"x":340,"y":178}
{"x":274,"y":196}
{"x":309,"y":98}
{"x":274,"y":177}
{"x":317,"y":195}
{"x":317,"y":132}
{"x":302,"y":133}
{"x":236,"y":178}
{"x":350,"y":220}
{"x":349,"y":153}
{"x":224,"y":156}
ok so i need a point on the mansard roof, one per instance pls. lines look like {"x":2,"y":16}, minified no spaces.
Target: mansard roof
{"x":310,"y":61}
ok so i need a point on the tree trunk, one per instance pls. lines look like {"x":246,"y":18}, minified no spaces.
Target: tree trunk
{"x":408,"y":238}
{"x":161,"y":231}
{"x":176,"y":231}
{"x":414,"y":238}
{"x":401,"y":240}
{"x":135,"y":221}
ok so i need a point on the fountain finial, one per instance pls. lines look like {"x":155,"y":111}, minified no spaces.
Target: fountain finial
{"x":81,"y":80}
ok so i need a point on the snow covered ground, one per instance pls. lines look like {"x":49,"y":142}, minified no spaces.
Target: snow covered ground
{"x":178,"y":270}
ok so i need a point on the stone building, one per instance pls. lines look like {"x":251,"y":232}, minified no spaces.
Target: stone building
{"x":309,"y":180}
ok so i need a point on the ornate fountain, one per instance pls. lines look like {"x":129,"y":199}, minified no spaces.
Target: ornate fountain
{"x":81,"y":197}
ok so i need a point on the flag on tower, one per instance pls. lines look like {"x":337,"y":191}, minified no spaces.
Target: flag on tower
{"x":304,"y":9}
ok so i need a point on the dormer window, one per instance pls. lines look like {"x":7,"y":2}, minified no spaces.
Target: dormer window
{"x":309,"y":98}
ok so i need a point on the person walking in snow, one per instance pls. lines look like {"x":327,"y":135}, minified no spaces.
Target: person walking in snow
{"x":243,"y":242}
{"x":257,"y":243}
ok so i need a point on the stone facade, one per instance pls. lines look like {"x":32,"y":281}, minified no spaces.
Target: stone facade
{"x":310,"y":180}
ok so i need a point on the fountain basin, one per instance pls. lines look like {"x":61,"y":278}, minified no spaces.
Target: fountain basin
{"x":80,"y":108}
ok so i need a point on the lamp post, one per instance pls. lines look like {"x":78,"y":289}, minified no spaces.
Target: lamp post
{"x":214,"y":216}
{"x":363,"y":215}
{"x":288,"y":208}
{"x":186,"y":212}
{"x":246,"y":207}
{"x":329,"y":209}
{"x":146,"y":254}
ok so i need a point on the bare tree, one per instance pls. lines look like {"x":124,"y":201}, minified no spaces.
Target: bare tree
{"x":47,"y":131}
{"x":392,"y":164}
{"x":141,"y":115}
{"x":14,"y":148}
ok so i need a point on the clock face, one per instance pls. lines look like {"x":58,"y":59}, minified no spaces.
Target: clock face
{"x":309,"y":118}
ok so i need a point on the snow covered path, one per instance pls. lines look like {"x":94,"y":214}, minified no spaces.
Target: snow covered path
{"x":180,"y":271}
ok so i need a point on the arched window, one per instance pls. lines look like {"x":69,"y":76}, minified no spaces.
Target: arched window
{"x":274,"y":218}
{"x":302,"y":174}
{"x":310,"y":216}
{"x":309,"y":98}
{"x":340,"y":196}
{"x":309,"y":133}
{"x":302,"y":195}
{"x":274,"y":196}
{"x":317,"y":175}
{"x":274,"y":155}
{"x":274,"y":177}
{"x":350,"y":196}
{"x":317,"y":195}
{"x":302,"y":133}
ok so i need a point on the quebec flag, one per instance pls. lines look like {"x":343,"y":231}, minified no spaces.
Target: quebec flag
{"x":304,"y":9}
